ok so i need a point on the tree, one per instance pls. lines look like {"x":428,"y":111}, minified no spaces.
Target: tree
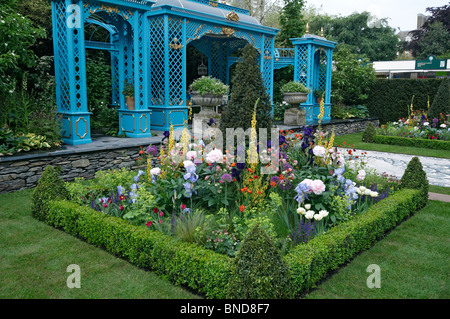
{"x":435,"y":42}
{"x":362,"y":33}
{"x":438,"y":14}
{"x":291,"y":22}
{"x":441,"y":101}
{"x":259,"y":9}
{"x":352,"y":79}
{"x":247,"y":87}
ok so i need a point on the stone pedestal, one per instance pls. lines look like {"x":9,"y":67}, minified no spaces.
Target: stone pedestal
{"x":295,"y":116}
{"x":201,"y":119}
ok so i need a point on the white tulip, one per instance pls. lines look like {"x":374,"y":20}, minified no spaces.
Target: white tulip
{"x":309,"y":214}
{"x":317,"y":217}
{"x":308,"y":206}
{"x":323,"y":213}
{"x":301,"y":211}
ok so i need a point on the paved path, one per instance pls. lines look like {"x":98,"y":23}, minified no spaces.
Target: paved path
{"x":440,"y":197}
{"x":437,"y":169}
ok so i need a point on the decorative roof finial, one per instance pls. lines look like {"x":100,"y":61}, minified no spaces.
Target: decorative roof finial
{"x":307,"y":27}
{"x":321,"y":31}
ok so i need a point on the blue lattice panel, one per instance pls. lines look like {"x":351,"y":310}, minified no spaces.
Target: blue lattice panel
{"x":157,"y":60}
{"x":135,"y":123}
{"x":162,"y":117}
{"x":76,"y":128}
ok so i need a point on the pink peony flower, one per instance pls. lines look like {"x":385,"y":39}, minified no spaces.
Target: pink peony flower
{"x":361,"y":175}
{"x":191,"y":155}
{"x":317,"y":186}
{"x":215,"y":156}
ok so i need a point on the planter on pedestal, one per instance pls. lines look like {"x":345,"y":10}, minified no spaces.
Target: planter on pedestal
{"x":207,"y":101}
{"x":295,"y":115}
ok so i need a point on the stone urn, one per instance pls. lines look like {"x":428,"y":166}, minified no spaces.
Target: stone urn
{"x":295,"y":115}
{"x":207,"y":101}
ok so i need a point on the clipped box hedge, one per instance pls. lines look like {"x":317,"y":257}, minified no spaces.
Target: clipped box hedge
{"x":415,"y":142}
{"x":207,"y":272}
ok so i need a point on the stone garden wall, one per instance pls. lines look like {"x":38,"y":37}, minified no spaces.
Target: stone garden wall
{"x":23,"y":171}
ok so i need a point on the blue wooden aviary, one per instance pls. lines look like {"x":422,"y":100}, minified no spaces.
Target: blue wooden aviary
{"x":148,"y":43}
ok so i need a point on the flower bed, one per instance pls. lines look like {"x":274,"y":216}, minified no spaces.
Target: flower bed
{"x":194,"y":205}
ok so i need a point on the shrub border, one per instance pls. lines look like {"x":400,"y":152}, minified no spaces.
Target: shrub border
{"x":207,"y":272}
{"x":414,"y":142}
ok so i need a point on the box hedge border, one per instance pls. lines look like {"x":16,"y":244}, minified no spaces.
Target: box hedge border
{"x":207,"y":272}
{"x":414,"y":142}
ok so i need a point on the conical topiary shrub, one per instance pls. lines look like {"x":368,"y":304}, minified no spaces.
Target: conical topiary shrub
{"x":50,"y":187}
{"x":441,"y":102}
{"x":369,"y":133}
{"x":247,"y":86}
{"x":259,"y":272}
{"x":415,"y":177}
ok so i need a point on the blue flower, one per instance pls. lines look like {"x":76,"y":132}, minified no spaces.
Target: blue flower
{"x":120,"y":190}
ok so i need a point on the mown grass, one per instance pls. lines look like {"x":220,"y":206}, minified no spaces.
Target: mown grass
{"x":413,"y":262}
{"x":439,"y":189}
{"x":355,"y":139}
{"x":34,"y":259}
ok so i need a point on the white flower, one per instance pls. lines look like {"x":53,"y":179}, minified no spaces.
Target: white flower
{"x":301,"y":211}
{"x":308,"y":206}
{"x":191,"y":155}
{"x":323,"y":213}
{"x":443,"y":125}
{"x":426,"y":124}
{"x":188,"y":163}
{"x":319,"y":151}
{"x":155,"y":171}
{"x":214,"y":156}
{"x":362,"y":189}
{"x":358,"y":190}
{"x":309,"y":214}
{"x":318,"y":217}
{"x":367,"y":192}
{"x":373,"y":194}
{"x":361,"y":175}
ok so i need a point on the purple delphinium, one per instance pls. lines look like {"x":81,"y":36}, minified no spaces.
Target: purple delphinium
{"x":304,"y":232}
{"x":211,"y":121}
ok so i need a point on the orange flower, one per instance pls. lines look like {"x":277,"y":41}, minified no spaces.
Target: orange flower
{"x":250,"y":170}
{"x":141,"y":152}
{"x":256,"y":177}
{"x":250,"y":180}
{"x":233,"y":164}
{"x":242,"y":208}
{"x":249,"y":191}
{"x":243,"y":189}
{"x":281,"y":177}
{"x":273,"y":184}
{"x":259,"y":192}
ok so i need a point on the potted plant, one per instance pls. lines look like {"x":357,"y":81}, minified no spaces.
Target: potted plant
{"x":128,"y":91}
{"x":319,"y":95}
{"x":208,"y":92}
{"x":294,"y":92}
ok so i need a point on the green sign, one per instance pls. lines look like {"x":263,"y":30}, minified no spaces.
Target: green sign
{"x":431,"y":63}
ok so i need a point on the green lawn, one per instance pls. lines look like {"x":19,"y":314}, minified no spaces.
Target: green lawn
{"x":34,"y":259}
{"x":355,"y":139}
{"x":439,"y":189}
{"x":413,"y":262}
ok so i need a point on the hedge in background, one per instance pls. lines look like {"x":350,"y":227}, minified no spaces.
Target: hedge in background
{"x":390,"y":100}
{"x":415,"y":142}
{"x":311,"y":262}
{"x":183,"y":264}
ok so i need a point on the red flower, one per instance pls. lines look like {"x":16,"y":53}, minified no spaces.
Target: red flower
{"x":148,"y":224}
{"x":121,"y":207}
{"x":122,"y":197}
{"x":183,"y":206}
{"x":242,"y":208}
{"x":273,"y":184}
{"x":156,"y":210}
{"x":105,"y":205}
{"x":161,"y":214}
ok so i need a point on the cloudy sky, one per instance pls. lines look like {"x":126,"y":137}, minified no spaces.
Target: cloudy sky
{"x":401,"y":13}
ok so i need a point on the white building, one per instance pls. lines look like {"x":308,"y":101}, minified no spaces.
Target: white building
{"x":406,"y":69}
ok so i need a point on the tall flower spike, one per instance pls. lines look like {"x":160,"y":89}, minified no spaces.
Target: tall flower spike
{"x":171,"y":137}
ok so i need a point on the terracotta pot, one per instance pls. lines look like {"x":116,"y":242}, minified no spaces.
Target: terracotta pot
{"x":130,"y":102}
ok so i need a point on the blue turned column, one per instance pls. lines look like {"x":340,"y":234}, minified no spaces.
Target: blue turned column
{"x":136,"y":123}
{"x":313,"y":67}
{"x":70,"y":71}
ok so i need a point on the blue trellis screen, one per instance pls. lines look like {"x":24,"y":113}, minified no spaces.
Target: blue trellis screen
{"x":148,"y":47}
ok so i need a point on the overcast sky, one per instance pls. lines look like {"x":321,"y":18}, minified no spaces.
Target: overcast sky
{"x":402,"y":13}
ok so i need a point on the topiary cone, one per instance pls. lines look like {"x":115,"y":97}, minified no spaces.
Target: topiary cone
{"x":415,"y":177}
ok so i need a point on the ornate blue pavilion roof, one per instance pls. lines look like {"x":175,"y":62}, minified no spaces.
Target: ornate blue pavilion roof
{"x":210,"y":8}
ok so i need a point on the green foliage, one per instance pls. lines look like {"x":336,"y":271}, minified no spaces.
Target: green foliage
{"x":414,"y":142}
{"x":294,"y":87}
{"x":362,"y":33}
{"x":247,"y":87}
{"x":433,"y":38}
{"x":441,"y":102}
{"x":369,"y":133}
{"x":181,"y":263}
{"x":291,"y":22}
{"x":352,"y":80}
{"x":415,"y":177}
{"x":128,"y":89}
{"x":50,"y":187}
{"x":311,"y":262}
{"x":208,"y":84}
{"x":259,"y":271}
{"x":17,"y":35}
{"x":339,"y":111}
{"x":390,"y":100}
